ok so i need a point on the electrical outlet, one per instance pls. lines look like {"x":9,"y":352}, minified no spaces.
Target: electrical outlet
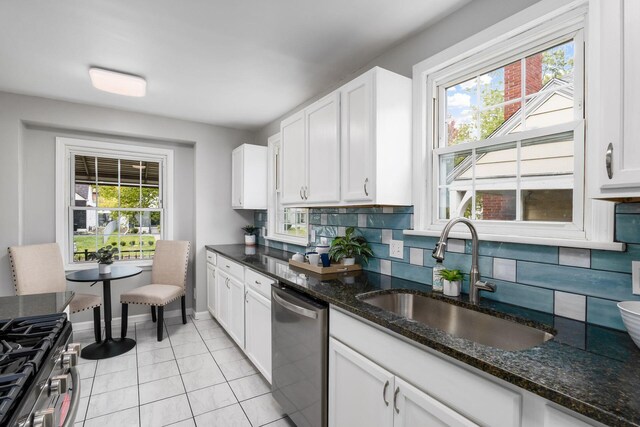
{"x":396,"y":249}
{"x":635,"y":277}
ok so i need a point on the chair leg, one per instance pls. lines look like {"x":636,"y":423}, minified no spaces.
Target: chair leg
{"x":160,"y":322}
{"x":125,"y":319}
{"x":184,"y":309}
{"x":153,"y":313}
{"x":96,"y":324}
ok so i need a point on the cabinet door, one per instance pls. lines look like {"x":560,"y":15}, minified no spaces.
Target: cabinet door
{"x":258,"y":331}
{"x":358,"y":145}
{"x":211,"y":289}
{"x":293,"y":152}
{"x":619,"y":108}
{"x":236,"y":311}
{"x":323,"y":143}
{"x":237,"y":177}
{"x":416,"y":408}
{"x":222,"y":298}
{"x":360,"y":392}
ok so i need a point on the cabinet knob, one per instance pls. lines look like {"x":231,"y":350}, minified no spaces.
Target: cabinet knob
{"x":366,"y":181}
{"x":608,"y":160}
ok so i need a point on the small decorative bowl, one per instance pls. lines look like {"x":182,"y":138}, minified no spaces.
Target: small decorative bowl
{"x":630,"y":312}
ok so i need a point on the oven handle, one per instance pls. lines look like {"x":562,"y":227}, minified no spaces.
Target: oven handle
{"x":75,"y":398}
{"x":296,"y":309}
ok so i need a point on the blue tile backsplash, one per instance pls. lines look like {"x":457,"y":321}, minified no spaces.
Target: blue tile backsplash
{"x":538,"y":272}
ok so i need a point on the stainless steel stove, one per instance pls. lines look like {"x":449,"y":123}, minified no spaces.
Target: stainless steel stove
{"x":39,"y":382}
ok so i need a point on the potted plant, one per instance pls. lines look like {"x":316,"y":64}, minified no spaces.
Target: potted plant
{"x":346,"y":248}
{"x":250,"y":235}
{"x":451,"y":282}
{"x":104,"y":257}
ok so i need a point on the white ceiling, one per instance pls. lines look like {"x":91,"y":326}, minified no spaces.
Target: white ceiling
{"x":237,"y":63}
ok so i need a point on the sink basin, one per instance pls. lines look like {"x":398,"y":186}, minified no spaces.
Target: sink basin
{"x":459,"y":321}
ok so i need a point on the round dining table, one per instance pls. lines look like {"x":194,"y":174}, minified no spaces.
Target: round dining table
{"x":109,"y":347}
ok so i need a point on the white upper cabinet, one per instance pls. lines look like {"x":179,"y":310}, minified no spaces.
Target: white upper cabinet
{"x":614,"y":95}
{"x":376,"y":139}
{"x":249,"y":177}
{"x":351,"y":147}
{"x":294,"y":154}
{"x":322,"y":120}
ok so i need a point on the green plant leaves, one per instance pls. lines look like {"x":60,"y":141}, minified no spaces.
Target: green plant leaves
{"x":349,"y":246}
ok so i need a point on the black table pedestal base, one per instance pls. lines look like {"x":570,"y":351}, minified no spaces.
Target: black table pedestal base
{"x":107,"y":348}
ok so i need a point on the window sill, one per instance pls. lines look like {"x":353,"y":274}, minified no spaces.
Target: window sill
{"x":144,"y":265}
{"x":545,"y":241}
{"x":300,"y":241}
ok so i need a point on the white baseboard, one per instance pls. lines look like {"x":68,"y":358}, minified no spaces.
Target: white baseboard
{"x":88,"y":325}
{"x":201,"y":315}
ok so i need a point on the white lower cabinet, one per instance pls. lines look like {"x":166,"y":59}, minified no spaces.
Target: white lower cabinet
{"x":363,"y":393}
{"x":257,"y":311}
{"x":222,"y":296}
{"x":236,"y":311}
{"x":211,"y":288}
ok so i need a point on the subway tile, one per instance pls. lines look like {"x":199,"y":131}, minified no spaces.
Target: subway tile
{"x":365,"y":210}
{"x":362,"y":220}
{"x":416,"y":256}
{"x":403,"y":209}
{"x":373,"y":265}
{"x":525,"y":296}
{"x":628,"y":228}
{"x":323,"y":219}
{"x":428,"y":260}
{"x":538,"y":253}
{"x":342,"y":210}
{"x":394,"y":221}
{"x":462,"y":262}
{"x":604,"y":284}
{"x":504,"y":269}
{"x":373,"y":235}
{"x":347,"y":220}
{"x":569,"y":305}
{"x":325,"y":231}
{"x":387,"y":209}
{"x":385,"y":267}
{"x":420,"y":241}
{"x":314,"y":218}
{"x":397,"y":234}
{"x":628,"y":208}
{"x":455,"y":245}
{"x":342,"y":231}
{"x":380,"y":250}
{"x":575,"y":257}
{"x":411,"y":272}
{"x":615,"y":261}
{"x":604,"y":312}
{"x":387,"y":236}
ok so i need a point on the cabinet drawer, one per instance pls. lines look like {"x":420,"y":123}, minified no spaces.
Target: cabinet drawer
{"x":260,"y":283}
{"x":211,"y":257}
{"x":233,"y":268}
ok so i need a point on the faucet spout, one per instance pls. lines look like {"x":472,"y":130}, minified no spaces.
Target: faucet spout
{"x":475,"y":285}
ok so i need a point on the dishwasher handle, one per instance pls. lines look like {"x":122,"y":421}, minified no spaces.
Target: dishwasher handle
{"x":296,"y":309}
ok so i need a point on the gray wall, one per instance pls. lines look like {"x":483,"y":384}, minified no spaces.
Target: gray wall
{"x":203,"y":214}
{"x":465,"y":22}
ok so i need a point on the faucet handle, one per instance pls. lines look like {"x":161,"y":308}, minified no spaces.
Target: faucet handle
{"x":485,"y":286}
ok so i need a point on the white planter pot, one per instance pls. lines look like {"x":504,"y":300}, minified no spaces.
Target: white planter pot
{"x":250,"y":239}
{"x":451,"y":289}
{"x":104,"y":268}
{"x":348,"y":261}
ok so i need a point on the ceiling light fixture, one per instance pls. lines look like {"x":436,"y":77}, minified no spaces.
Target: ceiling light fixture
{"x":118,"y":83}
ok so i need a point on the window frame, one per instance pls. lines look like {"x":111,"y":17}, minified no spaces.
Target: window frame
{"x":273,"y":203}
{"x":66,"y":148}
{"x":540,"y":25}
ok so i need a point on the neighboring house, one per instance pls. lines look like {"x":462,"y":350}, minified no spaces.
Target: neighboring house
{"x":546,"y":166}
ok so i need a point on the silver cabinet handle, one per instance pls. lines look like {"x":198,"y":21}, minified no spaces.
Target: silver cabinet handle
{"x":384,"y":393}
{"x":296,"y":309}
{"x":301,"y":196}
{"x":395,"y":400}
{"x":366,"y":181}
{"x":246,"y":296}
{"x":306,"y":192}
{"x":608,"y":160}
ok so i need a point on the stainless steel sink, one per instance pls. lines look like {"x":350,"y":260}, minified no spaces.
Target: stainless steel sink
{"x":459,"y":321}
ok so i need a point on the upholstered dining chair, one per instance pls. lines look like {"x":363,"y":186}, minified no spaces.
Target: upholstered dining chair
{"x":39,"y":269}
{"x":168,"y":283}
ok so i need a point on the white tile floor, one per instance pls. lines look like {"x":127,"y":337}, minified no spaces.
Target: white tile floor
{"x":195,"y":376}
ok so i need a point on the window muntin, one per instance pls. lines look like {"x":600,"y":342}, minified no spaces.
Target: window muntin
{"x":506,"y":139}
{"x":115,"y":200}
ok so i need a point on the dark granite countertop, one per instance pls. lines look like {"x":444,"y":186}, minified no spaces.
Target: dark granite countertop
{"x":589,"y":369}
{"x":32,"y":305}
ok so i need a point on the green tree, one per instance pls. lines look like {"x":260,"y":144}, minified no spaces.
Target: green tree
{"x":555,"y":64}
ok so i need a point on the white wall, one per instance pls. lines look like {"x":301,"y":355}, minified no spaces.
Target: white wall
{"x":203,"y":214}
{"x":472,"y":18}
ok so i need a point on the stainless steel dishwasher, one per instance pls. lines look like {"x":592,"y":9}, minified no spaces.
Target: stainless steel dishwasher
{"x":300,"y":334}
